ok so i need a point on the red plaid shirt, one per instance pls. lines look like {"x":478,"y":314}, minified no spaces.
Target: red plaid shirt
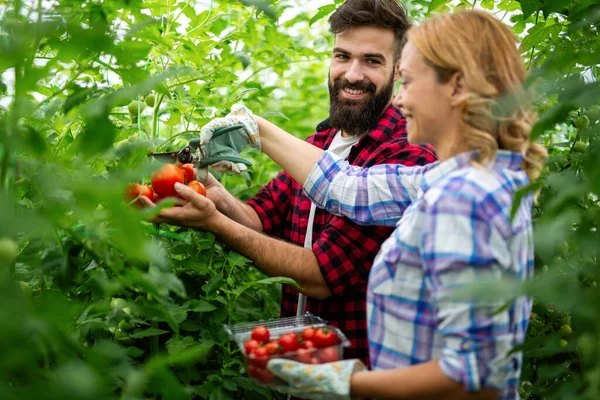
{"x":344,"y":250}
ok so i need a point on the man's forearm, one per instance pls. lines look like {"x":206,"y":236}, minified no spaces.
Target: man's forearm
{"x":424,"y":381}
{"x":242,"y":213}
{"x":274,"y":257}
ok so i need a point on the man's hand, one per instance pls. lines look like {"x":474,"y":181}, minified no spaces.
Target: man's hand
{"x":200,"y":212}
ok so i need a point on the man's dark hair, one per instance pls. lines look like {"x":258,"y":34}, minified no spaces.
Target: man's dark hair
{"x":386,"y":14}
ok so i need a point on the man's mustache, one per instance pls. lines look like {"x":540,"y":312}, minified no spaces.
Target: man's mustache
{"x":342,"y":83}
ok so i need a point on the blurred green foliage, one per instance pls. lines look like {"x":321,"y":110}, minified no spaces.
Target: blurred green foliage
{"x":97,"y":303}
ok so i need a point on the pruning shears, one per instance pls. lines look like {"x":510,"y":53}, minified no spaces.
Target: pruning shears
{"x":195,"y":154}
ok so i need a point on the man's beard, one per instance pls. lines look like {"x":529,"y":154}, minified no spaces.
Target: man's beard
{"x":356,"y":117}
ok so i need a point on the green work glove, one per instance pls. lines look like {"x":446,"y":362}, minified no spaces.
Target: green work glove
{"x":310,"y":381}
{"x":222,"y":140}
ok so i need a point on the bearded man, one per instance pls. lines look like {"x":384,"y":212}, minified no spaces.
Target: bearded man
{"x":279,"y":229}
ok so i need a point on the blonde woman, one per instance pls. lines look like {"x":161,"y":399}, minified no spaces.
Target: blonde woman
{"x":462,"y":85}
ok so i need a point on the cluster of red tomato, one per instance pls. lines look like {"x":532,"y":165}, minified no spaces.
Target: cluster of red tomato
{"x":312,"y":346}
{"x":163,"y":184}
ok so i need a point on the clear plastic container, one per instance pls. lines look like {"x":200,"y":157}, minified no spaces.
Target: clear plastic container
{"x":277,"y":327}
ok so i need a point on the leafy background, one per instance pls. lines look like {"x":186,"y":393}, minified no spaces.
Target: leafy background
{"x":97,"y":303}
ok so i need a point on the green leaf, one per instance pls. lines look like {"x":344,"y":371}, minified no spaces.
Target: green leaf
{"x":275,"y":281}
{"x":487,"y":4}
{"x":262,"y":5}
{"x":148,"y":332}
{"x":322,"y":12}
{"x":200,"y":306}
{"x":436,"y":5}
{"x":213,"y":283}
{"x":530,"y":6}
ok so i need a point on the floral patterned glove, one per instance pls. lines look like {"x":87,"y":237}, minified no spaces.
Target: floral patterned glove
{"x":310,"y":381}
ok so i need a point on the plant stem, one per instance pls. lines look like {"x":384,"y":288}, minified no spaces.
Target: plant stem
{"x":154,"y":340}
{"x":159,"y":99}
{"x":537,"y":16}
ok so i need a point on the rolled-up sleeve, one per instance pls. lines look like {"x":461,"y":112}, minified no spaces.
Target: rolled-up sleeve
{"x":460,"y":247}
{"x":377,"y":195}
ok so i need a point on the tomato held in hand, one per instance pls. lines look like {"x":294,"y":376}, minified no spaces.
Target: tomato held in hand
{"x":135,"y":190}
{"x":259,"y":357}
{"x":198,"y":187}
{"x":261,"y":334}
{"x":188,"y":172}
{"x":328,"y":354}
{"x":325,"y":337}
{"x":164,"y":180}
{"x":289,"y":343}
{"x":250,"y":345}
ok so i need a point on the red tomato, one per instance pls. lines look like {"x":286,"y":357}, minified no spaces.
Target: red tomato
{"x":308,"y":334}
{"x":325,"y":337}
{"x":308,"y":345}
{"x":259,"y":357}
{"x":163,"y":180}
{"x":135,"y":190}
{"x":261,"y":374}
{"x":315,"y":360}
{"x":250,"y":345}
{"x":273,"y":347}
{"x":289,"y":342}
{"x":261,"y":334}
{"x":198,"y":187}
{"x":329,"y":354}
{"x":304,"y":356}
{"x":188,"y":172}
{"x":156,"y":198}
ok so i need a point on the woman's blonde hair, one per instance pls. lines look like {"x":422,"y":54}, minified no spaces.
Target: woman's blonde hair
{"x":484,"y":51}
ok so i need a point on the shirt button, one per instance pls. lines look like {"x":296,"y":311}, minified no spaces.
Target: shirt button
{"x":466,"y":346}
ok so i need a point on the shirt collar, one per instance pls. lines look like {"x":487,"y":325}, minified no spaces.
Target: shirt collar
{"x":504,"y":160}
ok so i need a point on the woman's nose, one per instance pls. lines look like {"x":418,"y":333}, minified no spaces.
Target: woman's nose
{"x":397,"y":100}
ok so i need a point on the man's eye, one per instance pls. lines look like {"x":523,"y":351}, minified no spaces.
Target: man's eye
{"x":376,"y":62}
{"x":341,"y":57}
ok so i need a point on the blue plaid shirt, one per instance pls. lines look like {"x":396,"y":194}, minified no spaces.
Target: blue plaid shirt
{"x":453,"y":228}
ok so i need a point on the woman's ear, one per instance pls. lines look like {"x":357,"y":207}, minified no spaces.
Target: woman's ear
{"x":457,"y":87}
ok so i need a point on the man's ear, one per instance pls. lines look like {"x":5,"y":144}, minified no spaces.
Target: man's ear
{"x":457,"y":87}
{"x":397,"y":70}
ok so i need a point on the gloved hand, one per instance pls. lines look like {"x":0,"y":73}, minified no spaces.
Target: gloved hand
{"x":222,"y":140}
{"x":310,"y":381}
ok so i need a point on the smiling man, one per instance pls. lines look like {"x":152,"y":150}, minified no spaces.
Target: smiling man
{"x":279,"y":229}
